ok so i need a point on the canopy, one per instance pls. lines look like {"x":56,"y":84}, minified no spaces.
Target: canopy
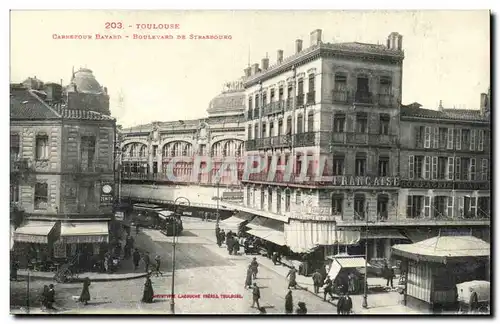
{"x":341,"y":262}
{"x":34,"y":232}
{"x":268,"y":229}
{"x":90,"y":232}
{"x":233,"y":223}
{"x":164,"y":214}
{"x":443,"y":249}
{"x":383,"y":233}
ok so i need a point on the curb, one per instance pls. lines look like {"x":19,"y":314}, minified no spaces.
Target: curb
{"x":135,"y":276}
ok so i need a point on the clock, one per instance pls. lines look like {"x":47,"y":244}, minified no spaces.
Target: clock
{"x":106,"y":189}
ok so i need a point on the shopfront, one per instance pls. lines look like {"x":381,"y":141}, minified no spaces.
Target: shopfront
{"x":33,"y":242}
{"x":82,"y":238}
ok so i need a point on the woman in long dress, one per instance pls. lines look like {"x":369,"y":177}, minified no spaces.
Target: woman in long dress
{"x":248,"y":281}
{"x":292,"y":275}
{"x":147,"y":295}
{"x":85,"y":295}
{"x":289,"y":302}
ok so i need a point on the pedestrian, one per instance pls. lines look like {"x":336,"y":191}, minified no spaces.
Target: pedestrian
{"x":248,"y":280}
{"x":328,"y":288}
{"x":206,"y":216}
{"x":289,"y":302}
{"x":146,"y":261}
{"x":222,"y":236}
{"x":137,"y":227}
{"x":317,"y":281}
{"x":14,"y":266}
{"x":292,"y":275}
{"x":340,"y":305}
{"x":85,"y":295}
{"x":302,"y":310}
{"x":255,"y":268}
{"x":147,"y":294}
{"x":229,"y":244}
{"x":44,"y":297}
{"x":255,"y":295}
{"x":51,"y":297}
{"x":136,"y":258}
{"x":351,"y":283}
{"x":347,"y":306}
{"x":157,"y":266}
{"x":390,"y":277}
{"x":236,"y":246}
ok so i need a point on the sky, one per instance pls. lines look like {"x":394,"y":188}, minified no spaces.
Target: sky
{"x":447,"y":53}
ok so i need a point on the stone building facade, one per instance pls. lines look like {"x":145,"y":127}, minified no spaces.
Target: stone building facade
{"x":164,"y":160}
{"x":329,"y":110}
{"x":62,"y":171}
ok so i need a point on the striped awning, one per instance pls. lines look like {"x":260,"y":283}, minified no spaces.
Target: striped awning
{"x":89,"y":232}
{"x":268,"y":229}
{"x":34,"y":232}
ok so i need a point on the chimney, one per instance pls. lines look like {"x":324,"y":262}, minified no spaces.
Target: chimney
{"x":395,"y":41}
{"x":265,"y":63}
{"x":106,"y":90}
{"x":440,"y":107}
{"x":316,"y":37}
{"x":279,"y":57}
{"x":484,"y":103}
{"x":255,"y":68}
{"x":298,"y":46}
{"x":247,"y":71}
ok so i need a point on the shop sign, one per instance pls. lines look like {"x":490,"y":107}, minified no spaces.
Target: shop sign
{"x":107,"y":193}
{"x":458,"y":185}
{"x":120,"y":216}
{"x":365,"y":181}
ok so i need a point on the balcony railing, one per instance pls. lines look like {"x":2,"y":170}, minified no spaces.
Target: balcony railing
{"x":256,"y":113}
{"x":250,"y":145}
{"x":385,"y":100}
{"x":363,"y":97}
{"x":363,"y":139}
{"x":445,"y":184}
{"x":289,"y":104}
{"x":340,"y":96}
{"x":250,"y":114}
{"x":300,"y":99}
{"x":19,"y":165}
{"x":304,"y":139}
{"x":311,"y":98}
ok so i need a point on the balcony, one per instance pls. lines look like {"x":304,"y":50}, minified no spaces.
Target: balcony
{"x":19,"y":165}
{"x":250,"y":145}
{"x":446,"y":184}
{"x":304,"y":139}
{"x":256,"y":113}
{"x":363,"y":97}
{"x":250,"y":114}
{"x":281,"y":141}
{"x":289,"y":104}
{"x":340,"y":96}
{"x":385,"y":100}
{"x":415,"y":221}
{"x":311,"y":98}
{"x":300,"y":99}
{"x":349,"y":138}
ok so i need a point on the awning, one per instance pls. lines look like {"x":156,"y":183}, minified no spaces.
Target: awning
{"x":270,"y":235}
{"x":268,"y":229}
{"x":233,"y":223}
{"x":380,"y":233}
{"x":90,"y":232}
{"x":342,"y":262}
{"x":34,"y":232}
{"x":444,"y":249}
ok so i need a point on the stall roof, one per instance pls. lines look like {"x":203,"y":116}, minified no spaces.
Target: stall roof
{"x":384,"y":233}
{"x":444,"y":248}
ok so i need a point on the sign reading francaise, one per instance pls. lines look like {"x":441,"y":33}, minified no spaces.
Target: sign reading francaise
{"x":365,"y":181}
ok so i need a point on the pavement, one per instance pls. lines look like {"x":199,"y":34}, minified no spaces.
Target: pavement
{"x":203,"y":272}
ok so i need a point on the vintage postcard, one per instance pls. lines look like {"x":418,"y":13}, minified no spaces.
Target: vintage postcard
{"x":250,"y":162}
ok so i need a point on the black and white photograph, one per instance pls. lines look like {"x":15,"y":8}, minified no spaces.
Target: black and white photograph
{"x":250,"y":162}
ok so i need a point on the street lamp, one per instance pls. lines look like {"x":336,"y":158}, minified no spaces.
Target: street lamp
{"x":185,"y":203}
{"x":365,"y":293}
{"x":218,"y":197}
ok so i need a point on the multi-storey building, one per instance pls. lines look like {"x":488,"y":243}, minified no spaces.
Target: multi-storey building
{"x":445,"y":163}
{"x":62,"y":172}
{"x":165,"y":160}
{"x":327,"y":110}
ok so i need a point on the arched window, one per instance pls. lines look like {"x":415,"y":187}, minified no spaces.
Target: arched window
{"x":249,"y":132}
{"x":300,"y":122}
{"x":133,"y":150}
{"x":42,"y":146}
{"x":310,"y":121}
{"x":142,"y":152}
{"x":239,"y":151}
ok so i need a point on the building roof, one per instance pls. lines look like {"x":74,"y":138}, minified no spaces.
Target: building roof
{"x":85,"y":82}
{"x":25,"y":104}
{"x":227,"y":103}
{"x":444,"y":248}
{"x":414,"y":110}
{"x":84,"y":115}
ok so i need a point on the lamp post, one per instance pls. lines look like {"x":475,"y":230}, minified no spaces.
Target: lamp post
{"x":218,"y":197}
{"x":176,"y":211}
{"x":365,"y":283}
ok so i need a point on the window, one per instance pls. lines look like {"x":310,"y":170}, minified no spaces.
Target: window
{"x":300,"y":87}
{"x":310,"y":121}
{"x":338,"y":123}
{"x":483,"y":207}
{"x":443,"y":137}
{"x":361,"y":123}
{"x":41,"y":195}
{"x":337,"y":202}
{"x":280,"y":93}
{"x":248,"y":197}
{"x":155,"y":150}
{"x":256,"y":131}
{"x":87,"y":152}
{"x":249,"y":132}
{"x":472,"y":169}
{"x":278,"y":201}
{"x":411,"y":167}
{"x":311,"y":82}
{"x":298,"y":198}
{"x":250,"y":103}
{"x":427,"y":168}
{"x":440,"y":206}
{"x":419,"y":167}
{"x":270,"y":199}
{"x":272,"y":95}
{"x":340,"y":88}
{"x":257,"y":103}
{"x":91,"y":192}
{"x":435,"y":138}
{"x":280,"y":127}
{"x":427,"y":137}
{"x":384,"y":124}
{"x":442,"y":165}
{"x":450,"y":139}
{"x":338,"y":166}
{"x":142,"y":151}
{"x":300,"y":123}
{"x":470,"y":207}
{"x":473,"y":140}
{"x":42,"y":147}
{"x":360,"y":165}
{"x":383,"y":166}
{"x":414,"y":206}
{"x":264,"y":98}
{"x":465,"y":166}
{"x":287,"y":201}
{"x":434,"y":167}
{"x":484,"y":169}
{"x":480,"y":144}
{"x":15,"y":148}
{"x":427,"y":206}
{"x":290,"y":91}
{"x":359,"y":207}
{"x":271,"y":128}
{"x":14,"y":192}
{"x":262,"y":198}
{"x":449,"y":207}
{"x":385,"y":85}
{"x":466,"y":138}
{"x":457,"y":168}
{"x":382,"y":207}
{"x":263,"y":130}
{"x":458,"y":139}
{"x":451,"y":164}
{"x":419,"y":136}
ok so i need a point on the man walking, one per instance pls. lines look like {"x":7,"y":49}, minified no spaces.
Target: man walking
{"x":317,"y":281}
{"x":136,"y":257}
{"x":147,"y":261}
{"x":347,"y":307}
{"x":255,"y":268}
{"x":292,"y":275}
{"x":256,"y":295}
{"x":157,"y":266}
{"x":328,"y":288}
{"x":289,"y":302}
